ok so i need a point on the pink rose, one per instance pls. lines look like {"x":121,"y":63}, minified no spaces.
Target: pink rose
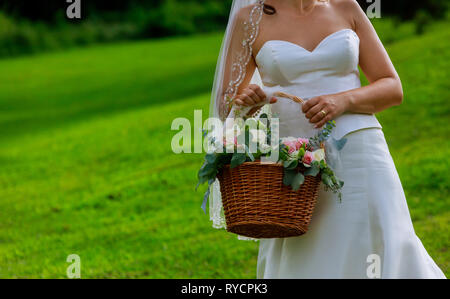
{"x":291,"y":150}
{"x":291,"y":146}
{"x":299,"y":143}
{"x":308,"y":158}
{"x":289,"y":143}
{"x":304,"y":140}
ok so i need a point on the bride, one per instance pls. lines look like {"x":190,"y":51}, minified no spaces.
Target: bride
{"x":312,"y":49}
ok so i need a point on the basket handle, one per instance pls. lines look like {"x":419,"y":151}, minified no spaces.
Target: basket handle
{"x":239,"y":111}
{"x":281,"y":94}
{"x":289,"y":96}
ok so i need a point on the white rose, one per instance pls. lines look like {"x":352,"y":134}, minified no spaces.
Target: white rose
{"x":319,"y":155}
{"x":216,"y":146}
{"x":265,"y":148}
{"x":229,"y":147}
{"x":258,"y":136}
{"x":230,"y":134}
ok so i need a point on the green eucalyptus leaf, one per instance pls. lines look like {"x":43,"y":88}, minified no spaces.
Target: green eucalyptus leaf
{"x":298,"y":180}
{"x":323,"y":164}
{"x":282,"y":154}
{"x":238,"y":159}
{"x":313,"y":170}
{"x":211,"y":158}
{"x":288,"y":177}
{"x":201,"y":180}
{"x":249,"y":154}
{"x":327,"y":180}
{"x":290,"y":164}
{"x":207,"y":170}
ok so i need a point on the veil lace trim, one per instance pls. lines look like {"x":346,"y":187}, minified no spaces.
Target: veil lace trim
{"x":238,"y":73}
{"x":239,"y":67}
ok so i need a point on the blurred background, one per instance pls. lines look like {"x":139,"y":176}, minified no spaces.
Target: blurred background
{"x":86,"y":165}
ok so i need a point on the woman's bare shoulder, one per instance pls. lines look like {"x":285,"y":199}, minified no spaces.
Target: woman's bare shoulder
{"x":349,"y":9}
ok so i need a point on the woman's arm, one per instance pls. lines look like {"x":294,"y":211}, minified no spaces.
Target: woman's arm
{"x":247,"y":94}
{"x":385,"y":88}
{"x":251,"y":94}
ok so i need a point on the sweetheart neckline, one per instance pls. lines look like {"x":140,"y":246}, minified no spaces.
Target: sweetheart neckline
{"x":301,"y":47}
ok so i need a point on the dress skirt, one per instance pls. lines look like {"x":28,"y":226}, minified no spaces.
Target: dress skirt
{"x":367,"y":235}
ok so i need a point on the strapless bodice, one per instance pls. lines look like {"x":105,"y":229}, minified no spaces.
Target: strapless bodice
{"x":330,"y":68}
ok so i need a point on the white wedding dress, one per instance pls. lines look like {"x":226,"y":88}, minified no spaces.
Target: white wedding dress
{"x":369,"y":233}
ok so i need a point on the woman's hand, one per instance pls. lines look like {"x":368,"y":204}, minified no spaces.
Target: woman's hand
{"x":322,"y":109}
{"x":252,"y":96}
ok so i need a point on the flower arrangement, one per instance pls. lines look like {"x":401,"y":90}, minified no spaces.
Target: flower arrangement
{"x":300,"y":157}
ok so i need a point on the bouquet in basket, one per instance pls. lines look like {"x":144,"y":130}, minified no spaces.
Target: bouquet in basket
{"x":249,"y":141}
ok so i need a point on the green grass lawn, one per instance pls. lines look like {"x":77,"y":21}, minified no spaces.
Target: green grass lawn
{"x":86,"y":165}
{"x":39,"y":92}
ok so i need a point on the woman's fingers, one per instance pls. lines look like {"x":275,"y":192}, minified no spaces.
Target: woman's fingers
{"x":309,"y":104}
{"x":318,"y":116}
{"x":324,"y":120}
{"x":238,"y":102}
{"x":312,"y":112}
{"x":255,"y":98}
{"x":244,"y":100}
{"x":252,"y":95}
{"x":259,"y":92}
{"x":318,"y":111}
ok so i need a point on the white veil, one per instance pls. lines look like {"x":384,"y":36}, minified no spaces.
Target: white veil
{"x":235,"y":54}
{"x":231,"y":71}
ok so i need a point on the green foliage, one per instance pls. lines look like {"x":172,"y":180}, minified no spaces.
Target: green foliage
{"x":134,"y":21}
{"x":392,"y":30}
{"x":176,"y":17}
{"x":48,"y":30}
{"x":323,"y":134}
{"x":237,"y":159}
{"x":422,"y":19}
{"x":314,"y":169}
{"x":24,"y":37}
{"x":297,"y":181}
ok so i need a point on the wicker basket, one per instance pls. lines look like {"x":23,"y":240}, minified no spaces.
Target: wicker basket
{"x":257,"y":204}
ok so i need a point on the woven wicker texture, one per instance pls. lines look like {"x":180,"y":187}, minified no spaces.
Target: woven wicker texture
{"x":257,"y":204}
